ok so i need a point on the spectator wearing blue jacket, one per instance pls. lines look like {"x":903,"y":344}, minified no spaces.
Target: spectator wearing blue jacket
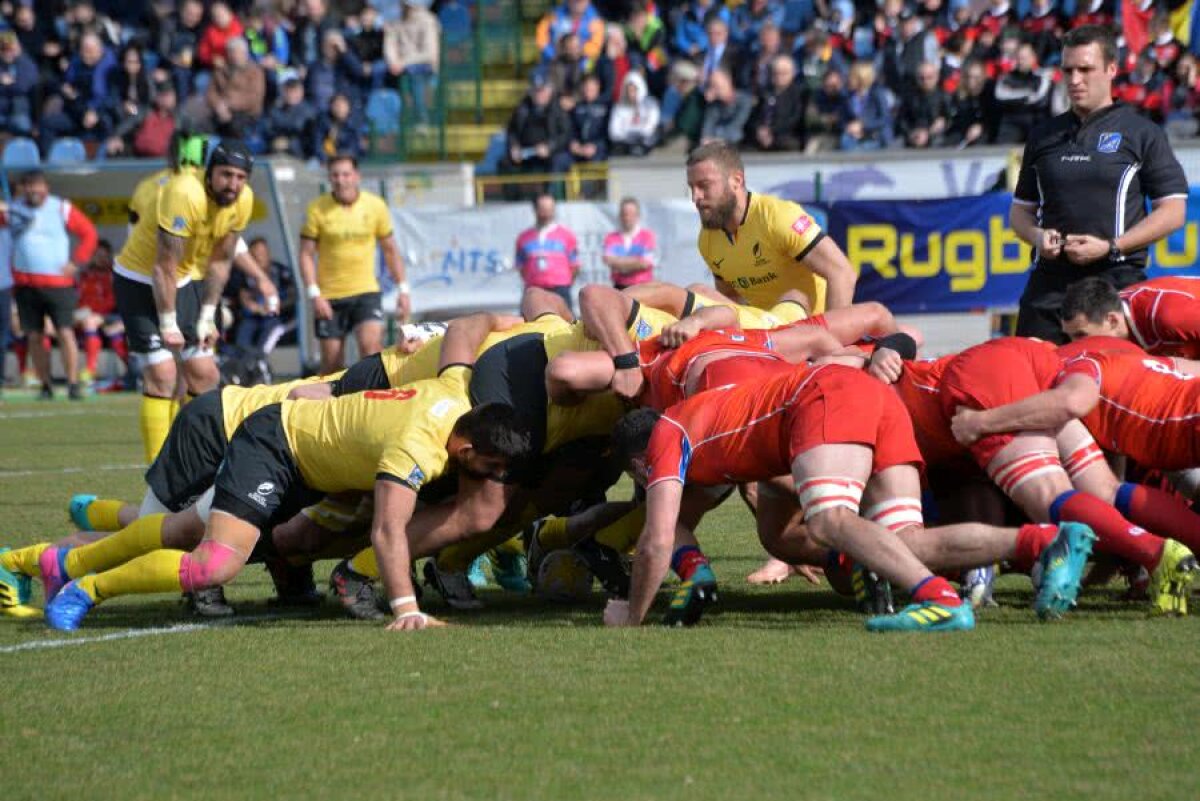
{"x":748,"y":19}
{"x":338,"y":71}
{"x":18,"y":79}
{"x":868,"y":119}
{"x":79,"y":109}
{"x":589,"y":123}
{"x":338,"y":132}
{"x":691,"y":38}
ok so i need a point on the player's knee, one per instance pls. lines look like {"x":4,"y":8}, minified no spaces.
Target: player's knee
{"x":825,"y":526}
{"x":211,"y":564}
{"x":201,"y":375}
{"x":158,"y":376}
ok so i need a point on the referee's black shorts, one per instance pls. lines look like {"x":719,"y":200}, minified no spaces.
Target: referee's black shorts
{"x":191,"y":454}
{"x":1041,"y":303}
{"x":259,"y":481}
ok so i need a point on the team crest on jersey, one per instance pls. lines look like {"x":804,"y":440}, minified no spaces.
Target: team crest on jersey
{"x":1109,"y":142}
{"x":643,"y":330}
{"x":178,"y":224}
{"x":416,"y":477}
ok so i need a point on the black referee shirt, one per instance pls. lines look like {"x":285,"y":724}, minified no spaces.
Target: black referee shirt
{"x":1095,"y":176}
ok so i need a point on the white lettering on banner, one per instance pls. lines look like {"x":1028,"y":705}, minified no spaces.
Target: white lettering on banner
{"x":464,"y":259}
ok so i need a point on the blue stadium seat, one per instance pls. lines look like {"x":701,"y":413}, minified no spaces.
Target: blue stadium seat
{"x":383,"y":111}
{"x":456,"y":22}
{"x":21,"y":151}
{"x":67,"y":150}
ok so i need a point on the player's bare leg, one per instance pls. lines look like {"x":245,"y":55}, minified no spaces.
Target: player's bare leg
{"x":779,"y":521}
{"x":333,"y":354}
{"x":200,"y":371}
{"x":369,"y":337}
{"x":830,"y":481}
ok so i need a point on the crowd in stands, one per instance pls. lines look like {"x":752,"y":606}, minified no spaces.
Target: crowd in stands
{"x":288,"y":76}
{"x":805,"y":75}
{"x":615,"y":76}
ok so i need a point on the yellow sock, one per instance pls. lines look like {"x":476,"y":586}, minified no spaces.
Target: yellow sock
{"x":156,"y":422}
{"x":364,"y":562}
{"x":139,"y":537}
{"x":623,"y":534}
{"x":553,"y":534}
{"x":24,"y":560}
{"x":104,"y":514}
{"x":157,"y":571}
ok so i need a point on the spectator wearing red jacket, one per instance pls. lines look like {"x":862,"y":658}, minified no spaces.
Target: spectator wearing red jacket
{"x":223,"y":26}
{"x":1094,"y":12}
{"x":1146,"y":88}
{"x":97,"y":318}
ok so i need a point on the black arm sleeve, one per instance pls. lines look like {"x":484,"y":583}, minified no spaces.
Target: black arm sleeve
{"x":900,"y":342}
{"x":366,"y":374}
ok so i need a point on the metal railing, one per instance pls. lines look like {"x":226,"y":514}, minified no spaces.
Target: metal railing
{"x":585,"y":181}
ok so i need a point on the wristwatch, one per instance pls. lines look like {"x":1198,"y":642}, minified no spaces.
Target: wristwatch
{"x":1114,"y":252}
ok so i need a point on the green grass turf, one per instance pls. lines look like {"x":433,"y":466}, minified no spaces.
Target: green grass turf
{"x":781,"y":696}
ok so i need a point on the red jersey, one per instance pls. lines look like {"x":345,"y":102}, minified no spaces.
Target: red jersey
{"x":1148,"y":410}
{"x":669,"y":371}
{"x":919,"y":388}
{"x":999,"y":372}
{"x":96,"y":291}
{"x":1164,"y":315}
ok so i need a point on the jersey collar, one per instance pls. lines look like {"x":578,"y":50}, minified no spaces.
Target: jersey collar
{"x":741,"y":222}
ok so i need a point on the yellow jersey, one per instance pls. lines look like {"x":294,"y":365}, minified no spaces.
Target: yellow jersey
{"x":346,"y":237}
{"x":423,"y":362}
{"x":183,"y":208}
{"x":782,"y":313}
{"x":144,"y":200}
{"x":763,"y":260}
{"x":348,"y":443}
{"x":238,"y":403}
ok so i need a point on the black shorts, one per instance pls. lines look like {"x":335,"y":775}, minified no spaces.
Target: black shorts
{"x":191,"y":454}
{"x":349,"y":313}
{"x":1041,"y":302}
{"x":259,"y":481}
{"x":135,"y":304}
{"x":514,"y":372}
{"x":35,"y":304}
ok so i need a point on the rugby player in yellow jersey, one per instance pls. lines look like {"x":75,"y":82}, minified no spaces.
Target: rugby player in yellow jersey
{"x":289,"y":455}
{"x":758,"y":246}
{"x":170,"y":274}
{"x":337,"y":264}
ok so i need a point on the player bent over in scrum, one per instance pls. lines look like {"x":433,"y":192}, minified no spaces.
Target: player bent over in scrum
{"x":843,"y":437}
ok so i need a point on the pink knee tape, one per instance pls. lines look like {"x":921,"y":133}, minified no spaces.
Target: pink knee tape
{"x":1016,"y":472}
{"x":205,"y":566}
{"x":823,"y":493}
{"x":896,"y":514}
{"x":1082,"y":458}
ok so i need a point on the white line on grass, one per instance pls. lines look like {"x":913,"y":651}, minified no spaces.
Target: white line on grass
{"x":132,"y":634}
{"x":60,"y":471}
{"x":63,"y":413}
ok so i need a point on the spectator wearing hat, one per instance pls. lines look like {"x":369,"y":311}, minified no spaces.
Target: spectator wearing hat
{"x":726,"y":110}
{"x":410,"y":46}
{"x":18,"y":80}
{"x":778,"y":120}
{"x":288,"y":128}
{"x":539,"y":132}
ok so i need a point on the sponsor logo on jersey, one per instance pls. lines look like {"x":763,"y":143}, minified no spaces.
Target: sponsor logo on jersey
{"x":1109,"y":142}
{"x":802,"y":224}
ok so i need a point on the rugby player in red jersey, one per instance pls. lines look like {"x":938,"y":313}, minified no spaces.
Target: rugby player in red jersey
{"x":1161,"y":315}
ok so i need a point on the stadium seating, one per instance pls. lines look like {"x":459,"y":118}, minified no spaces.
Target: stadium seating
{"x":21,"y":152}
{"x":67,"y":150}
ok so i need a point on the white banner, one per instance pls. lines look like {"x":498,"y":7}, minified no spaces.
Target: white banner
{"x":461,"y":260}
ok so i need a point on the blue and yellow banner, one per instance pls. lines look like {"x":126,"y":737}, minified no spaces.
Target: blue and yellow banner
{"x":959,"y":254}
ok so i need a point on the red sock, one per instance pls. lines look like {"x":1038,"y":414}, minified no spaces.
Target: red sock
{"x":91,"y":348}
{"x":117,"y":343}
{"x":937,"y":590}
{"x":1160,"y":511}
{"x":1032,"y":539}
{"x":686,"y":560}
{"x":1114,"y":533}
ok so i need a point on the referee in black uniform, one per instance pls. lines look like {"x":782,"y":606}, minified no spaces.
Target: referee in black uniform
{"x":1085,"y":178}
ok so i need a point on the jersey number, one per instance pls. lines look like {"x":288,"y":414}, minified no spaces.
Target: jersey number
{"x":390,"y":394}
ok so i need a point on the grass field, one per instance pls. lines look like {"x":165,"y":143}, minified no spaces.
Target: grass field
{"x":783,"y":695}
